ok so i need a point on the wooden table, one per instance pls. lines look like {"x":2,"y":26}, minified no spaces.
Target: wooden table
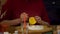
{"x":46,"y":29}
{"x":58,"y":28}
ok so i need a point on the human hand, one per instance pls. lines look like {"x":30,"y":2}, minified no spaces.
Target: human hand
{"x":40,"y":21}
{"x":24,"y":15}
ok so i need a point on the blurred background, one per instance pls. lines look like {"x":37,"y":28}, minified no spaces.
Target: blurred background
{"x":53,"y":8}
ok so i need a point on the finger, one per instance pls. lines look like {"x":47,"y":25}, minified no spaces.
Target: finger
{"x":38,"y":18}
{"x":24,"y":14}
{"x":44,"y":23}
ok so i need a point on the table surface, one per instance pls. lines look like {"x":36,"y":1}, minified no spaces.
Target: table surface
{"x":46,"y":29}
{"x":57,"y":28}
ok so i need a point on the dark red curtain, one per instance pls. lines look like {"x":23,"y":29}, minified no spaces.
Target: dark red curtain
{"x":13,"y":5}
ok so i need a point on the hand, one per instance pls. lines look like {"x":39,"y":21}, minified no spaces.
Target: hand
{"x":23,"y":15}
{"x":40,"y":21}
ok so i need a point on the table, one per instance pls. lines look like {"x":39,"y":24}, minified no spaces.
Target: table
{"x":58,"y":28}
{"x":46,"y":29}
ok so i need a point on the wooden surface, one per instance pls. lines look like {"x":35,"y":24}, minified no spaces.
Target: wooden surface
{"x":57,"y":28}
{"x":46,"y":29}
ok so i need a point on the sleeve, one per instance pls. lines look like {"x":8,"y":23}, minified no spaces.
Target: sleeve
{"x":44,"y":14}
{"x":7,"y":7}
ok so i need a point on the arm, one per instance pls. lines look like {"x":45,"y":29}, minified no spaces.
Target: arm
{"x":11,"y":22}
{"x":40,"y":21}
{"x":15,"y":21}
{"x":8,"y":15}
